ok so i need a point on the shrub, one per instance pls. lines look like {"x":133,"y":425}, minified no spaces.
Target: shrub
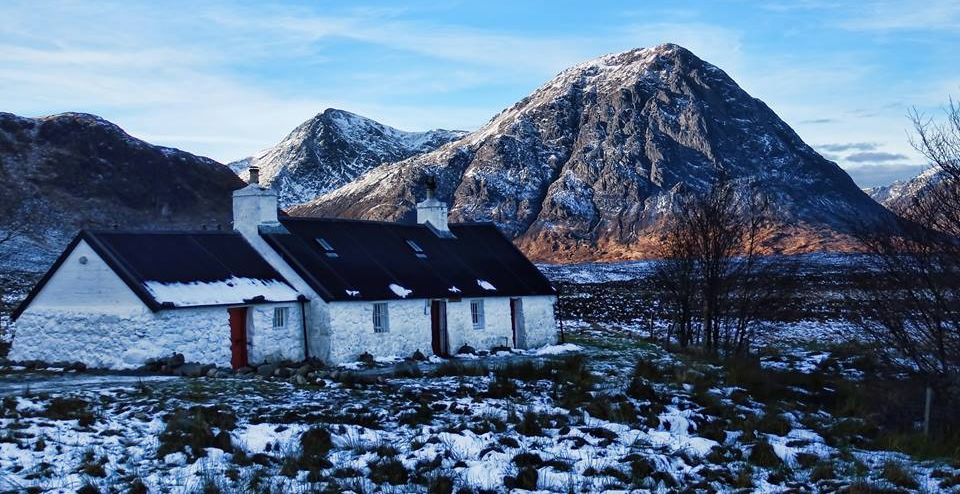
{"x":898,"y":474}
{"x":137,"y":487}
{"x":421,"y":415}
{"x":501,"y":387}
{"x":640,"y":389}
{"x":763,"y":455}
{"x":191,"y":431}
{"x":530,"y":424}
{"x":88,"y":488}
{"x":439,"y":484}
{"x":774,"y":423}
{"x":315,"y":443}
{"x":67,"y":408}
{"x":388,"y":470}
{"x":823,"y":470}
{"x":453,"y":368}
{"x":527,"y":460}
{"x":613,"y":410}
{"x":526,"y":479}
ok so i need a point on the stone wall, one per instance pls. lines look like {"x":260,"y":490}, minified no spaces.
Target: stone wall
{"x":352,"y":327}
{"x":269,"y":344}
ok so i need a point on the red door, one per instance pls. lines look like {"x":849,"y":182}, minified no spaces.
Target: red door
{"x":238,"y":337}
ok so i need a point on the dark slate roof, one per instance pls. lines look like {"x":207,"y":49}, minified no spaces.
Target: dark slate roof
{"x":370,"y":256}
{"x":170,"y":257}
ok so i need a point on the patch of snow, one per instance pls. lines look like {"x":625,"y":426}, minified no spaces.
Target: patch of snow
{"x":486,"y":285}
{"x":453,"y":289}
{"x":399,"y":290}
{"x":230,"y":291}
{"x":558,"y":349}
{"x":353,"y":293}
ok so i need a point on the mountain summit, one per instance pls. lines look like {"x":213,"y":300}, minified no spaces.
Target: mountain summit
{"x":333,"y":148}
{"x":585,"y":167}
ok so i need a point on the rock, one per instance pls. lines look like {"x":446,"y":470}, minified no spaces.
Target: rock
{"x":78,"y":366}
{"x":418,"y":356}
{"x":213,"y":372}
{"x":192,"y":369}
{"x":467,"y":350}
{"x":497,"y":349}
{"x":321,"y":383}
{"x":282,"y":372}
{"x":245,"y":370}
{"x":304,"y":370}
{"x":266,"y":370}
{"x":300,"y":380}
{"x":367,"y":359}
{"x":176,"y":360}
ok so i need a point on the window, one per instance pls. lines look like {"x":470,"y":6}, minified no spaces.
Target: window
{"x":476,"y":313}
{"x":381,"y":318}
{"x":417,"y":250}
{"x":327,"y":248}
{"x":280,"y":316}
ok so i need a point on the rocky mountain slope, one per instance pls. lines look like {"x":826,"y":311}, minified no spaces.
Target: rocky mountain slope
{"x":333,"y":148}
{"x":586,"y":166}
{"x":902,"y":193}
{"x":70,"y":171}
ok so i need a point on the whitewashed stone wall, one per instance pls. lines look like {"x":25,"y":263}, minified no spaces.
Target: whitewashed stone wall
{"x":124,"y":341}
{"x":539,"y":321}
{"x":269,"y":344}
{"x":352,"y":330}
{"x":352,"y":327}
{"x":116,"y":341}
{"x":497,"y":330}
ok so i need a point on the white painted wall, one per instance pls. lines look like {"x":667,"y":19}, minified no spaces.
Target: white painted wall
{"x":269,"y":344}
{"x":539,"y":321}
{"x":91,"y":287}
{"x":124,"y":341}
{"x":352,"y":327}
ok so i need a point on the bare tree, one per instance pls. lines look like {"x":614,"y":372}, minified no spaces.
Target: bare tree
{"x":711,"y":273}
{"x":912,"y":306}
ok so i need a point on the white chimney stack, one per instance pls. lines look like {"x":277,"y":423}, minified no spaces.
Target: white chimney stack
{"x":432,"y":211}
{"x":254,"y":206}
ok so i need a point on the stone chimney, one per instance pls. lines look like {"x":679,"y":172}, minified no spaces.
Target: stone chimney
{"x":254,"y":206}
{"x":431,"y":211}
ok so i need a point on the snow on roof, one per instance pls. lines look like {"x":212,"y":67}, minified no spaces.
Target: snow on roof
{"x":399,"y":290}
{"x":486,"y":285}
{"x":230,"y":291}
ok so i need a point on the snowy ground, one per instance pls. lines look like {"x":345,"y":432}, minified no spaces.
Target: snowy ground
{"x":677,"y":425}
{"x":609,"y":411}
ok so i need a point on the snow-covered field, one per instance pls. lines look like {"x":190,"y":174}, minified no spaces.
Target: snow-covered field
{"x":590,"y":422}
{"x":607,"y":411}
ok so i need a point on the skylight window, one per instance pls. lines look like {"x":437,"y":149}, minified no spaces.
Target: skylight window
{"x":327,"y":248}
{"x":417,"y":249}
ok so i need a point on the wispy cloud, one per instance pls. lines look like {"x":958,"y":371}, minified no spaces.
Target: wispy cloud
{"x":875,"y":157}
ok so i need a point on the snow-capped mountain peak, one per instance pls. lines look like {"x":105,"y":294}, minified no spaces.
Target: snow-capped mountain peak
{"x":333,"y":148}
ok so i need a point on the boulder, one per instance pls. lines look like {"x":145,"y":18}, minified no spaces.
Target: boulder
{"x":175,"y":360}
{"x":282,"y":372}
{"x":304,"y":370}
{"x":192,"y":369}
{"x":245,"y":370}
{"x":367,"y":359}
{"x":266,"y":370}
{"x":467,"y":350}
{"x":418,"y":356}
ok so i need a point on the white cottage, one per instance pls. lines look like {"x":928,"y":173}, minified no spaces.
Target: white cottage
{"x":285,"y":288}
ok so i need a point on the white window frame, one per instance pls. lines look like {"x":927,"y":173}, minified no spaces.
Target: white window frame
{"x":381,"y":317}
{"x":477,"y":316}
{"x":280,"y":317}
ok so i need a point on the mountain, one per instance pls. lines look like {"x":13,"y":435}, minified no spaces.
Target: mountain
{"x":900,"y":194}
{"x":586,"y":166}
{"x":74,"y":170}
{"x":333,"y":148}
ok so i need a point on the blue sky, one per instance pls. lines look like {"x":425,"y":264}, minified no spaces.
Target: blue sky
{"x":228,"y":78}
